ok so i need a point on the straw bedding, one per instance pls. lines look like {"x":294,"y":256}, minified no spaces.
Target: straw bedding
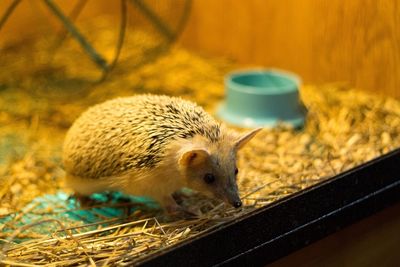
{"x":41,"y":225}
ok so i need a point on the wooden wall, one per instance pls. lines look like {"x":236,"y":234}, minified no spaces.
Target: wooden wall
{"x":356,"y":41}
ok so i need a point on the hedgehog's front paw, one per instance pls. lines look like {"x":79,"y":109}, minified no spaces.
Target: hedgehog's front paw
{"x":181,"y":198}
{"x":175,"y":210}
{"x":185,"y":212}
{"x":192,"y":211}
{"x":168,"y":204}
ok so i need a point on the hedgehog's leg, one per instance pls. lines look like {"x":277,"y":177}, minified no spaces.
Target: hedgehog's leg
{"x":180,"y":197}
{"x":85,"y":186}
{"x":183,"y":194}
{"x":192,"y":211}
{"x":168,"y":203}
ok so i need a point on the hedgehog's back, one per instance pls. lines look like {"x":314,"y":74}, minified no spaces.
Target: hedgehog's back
{"x":131,"y":133}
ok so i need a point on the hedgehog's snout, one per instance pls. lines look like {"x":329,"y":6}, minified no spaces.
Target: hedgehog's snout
{"x":231,"y":196}
{"x":237,"y":204}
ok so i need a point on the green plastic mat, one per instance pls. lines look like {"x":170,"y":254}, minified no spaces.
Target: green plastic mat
{"x":67,"y":210}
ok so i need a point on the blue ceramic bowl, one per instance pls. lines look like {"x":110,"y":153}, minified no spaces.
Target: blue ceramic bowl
{"x":262,"y":97}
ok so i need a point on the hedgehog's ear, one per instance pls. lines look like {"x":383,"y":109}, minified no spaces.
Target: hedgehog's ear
{"x":245,"y":138}
{"x":193,"y":157}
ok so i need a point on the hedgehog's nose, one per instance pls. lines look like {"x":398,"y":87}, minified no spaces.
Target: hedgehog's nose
{"x":237,"y":204}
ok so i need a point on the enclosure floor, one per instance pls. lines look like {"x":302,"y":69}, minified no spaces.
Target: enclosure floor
{"x":345,"y":128}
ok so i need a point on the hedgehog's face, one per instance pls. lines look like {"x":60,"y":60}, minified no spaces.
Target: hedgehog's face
{"x":211,"y":169}
{"x":212,"y":174}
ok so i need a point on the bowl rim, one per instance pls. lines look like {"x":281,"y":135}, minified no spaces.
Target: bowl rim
{"x":230,"y":84}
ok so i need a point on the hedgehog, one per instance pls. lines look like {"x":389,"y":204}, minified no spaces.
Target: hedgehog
{"x":152,"y":145}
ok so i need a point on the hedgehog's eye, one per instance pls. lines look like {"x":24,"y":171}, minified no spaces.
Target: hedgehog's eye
{"x":209,"y":178}
{"x":236,"y":171}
